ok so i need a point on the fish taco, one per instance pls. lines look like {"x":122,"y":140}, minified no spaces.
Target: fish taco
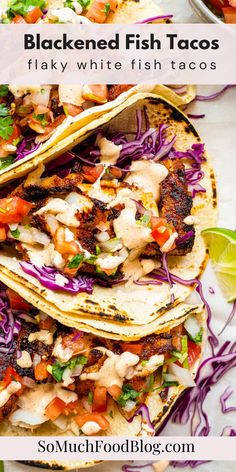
{"x":56,"y":380}
{"x":107,"y":235}
{"x":34,"y":118}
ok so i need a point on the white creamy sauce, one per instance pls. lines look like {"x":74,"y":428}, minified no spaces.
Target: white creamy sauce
{"x":114,"y":370}
{"x":25,"y":361}
{"x":147,"y":175}
{"x":61,"y":280}
{"x":132,"y":234}
{"x":191,"y":220}
{"x":5,"y":394}
{"x":151,"y":366}
{"x":67,"y":15}
{"x":110,"y":152}
{"x":65,"y":210}
{"x":90,"y":427}
{"x":109,"y":261}
{"x":169,"y":243}
{"x":71,"y":94}
{"x":43,"y":335}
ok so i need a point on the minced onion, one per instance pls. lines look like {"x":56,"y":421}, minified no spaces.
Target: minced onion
{"x":182,"y":375}
{"x":192,"y":326}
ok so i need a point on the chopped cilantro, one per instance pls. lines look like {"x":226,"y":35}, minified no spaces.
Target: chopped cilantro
{"x":75,"y":261}
{"x":170,"y":384}
{"x":6,"y":161}
{"x":98,"y":250}
{"x":59,"y":367}
{"x":144,"y":220}
{"x":92,"y":260}
{"x":150,"y":384}
{"x":70,"y":3}
{"x":128,"y":393}
{"x":41,"y":118}
{"x":3,"y":90}
{"x":4,"y":109}
{"x":90,"y":398}
{"x":22,"y":7}
{"x":6,"y":128}
{"x":143,"y":363}
{"x":107,"y":8}
{"x":15,"y":233}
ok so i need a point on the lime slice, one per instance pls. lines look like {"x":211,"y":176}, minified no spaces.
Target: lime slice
{"x":221,"y":244}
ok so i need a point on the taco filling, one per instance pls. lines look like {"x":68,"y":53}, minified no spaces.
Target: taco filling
{"x":109,"y":215}
{"x":49,"y":372}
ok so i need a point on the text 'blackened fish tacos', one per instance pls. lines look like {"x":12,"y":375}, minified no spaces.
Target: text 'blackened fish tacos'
{"x":107,"y":236}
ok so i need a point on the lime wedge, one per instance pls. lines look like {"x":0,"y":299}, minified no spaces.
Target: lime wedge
{"x":221,"y":244}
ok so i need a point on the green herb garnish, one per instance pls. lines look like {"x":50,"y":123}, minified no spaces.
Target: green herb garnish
{"x":75,"y":261}
{"x":57,"y":369}
{"x":90,"y":398}
{"x":41,"y":118}
{"x":107,"y":8}
{"x":128,"y":393}
{"x":6,"y":161}
{"x":4,"y":109}
{"x":24,"y":6}
{"x":6,"y":127}
{"x":3,"y":90}
{"x":185,"y":350}
{"x":15,"y":233}
{"x":198,"y":338}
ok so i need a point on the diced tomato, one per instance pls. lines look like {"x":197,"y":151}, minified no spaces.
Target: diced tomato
{"x":18,"y":19}
{"x":100,"y":9}
{"x":97,"y":93}
{"x":3,"y":233}
{"x":72,"y":110}
{"x":63,"y":246}
{"x":219,"y":4}
{"x":91,"y":173}
{"x":75,"y":408}
{"x":40,"y":370}
{"x":70,"y":272}
{"x":161,"y":231}
{"x":33,"y":15}
{"x":48,"y":323}
{"x":194,"y":351}
{"x":13,"y":210}
{"x":115,"y":391}
{"x":76,"y":344}
{"x":99,"y":419}
{"x":230,"y":15}
{"x":99,"y":399}
{"x":16,"y":301}
{"x":55,"y":408}
{"x":11,"y":375}
{"x":135,"y":348}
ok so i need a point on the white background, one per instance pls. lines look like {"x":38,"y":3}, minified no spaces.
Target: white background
{"x":218,"y":131}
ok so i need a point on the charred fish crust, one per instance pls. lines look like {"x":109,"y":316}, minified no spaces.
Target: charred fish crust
{"x":112,"y":307}
{"x":101,"y":205}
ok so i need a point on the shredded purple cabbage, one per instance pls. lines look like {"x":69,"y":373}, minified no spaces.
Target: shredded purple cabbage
{"x":154,"y":18}
{"x":195,"y":116}
{"x":211,"y":290}
{"x":230,"y":318}
{"x":47,"y":277}
{"x":10,"y":325}
{"x":223,"y":399}
{"x":201,"y":98}
{"x":133,"y":468}
{"x":26,"y":147}
{"x":144,"y":412}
